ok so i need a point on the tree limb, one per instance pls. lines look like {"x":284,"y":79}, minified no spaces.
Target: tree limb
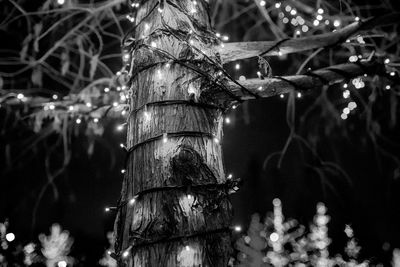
{"x":310,"y":81}
{"x":241,"y":50}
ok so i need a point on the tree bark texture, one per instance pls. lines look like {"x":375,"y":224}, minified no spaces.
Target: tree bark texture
{"x":173,"y":137}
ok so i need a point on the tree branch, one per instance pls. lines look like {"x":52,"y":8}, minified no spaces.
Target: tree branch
{"x":241,"y":50}
{"x":310,"y":81}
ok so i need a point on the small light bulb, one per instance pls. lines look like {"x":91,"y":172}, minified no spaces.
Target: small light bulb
{"x":299,"y":94}
{"x":125,"y":254}
{"x":10,"y":237}
{"x":281,"y":95}
{"x":132,"y":201}
{"x":189,"y":196}
{"x":187,"y":248}
{"x":123,"y":171}
{"x":216,"y":140}
{"x":20,"y":96}
{"x":237,"y":66}
{"x":60,"y":2}
{"x":96,"y":120}
{"x":78,"y":120}
{"x":274,"y":237}
{"x":227,"y":120}
{"x":106,"y":89}
{"x":165,"y":138}
{"x":62,"y":264}
{"x":107,"y":209}
{"x":238,"y":228}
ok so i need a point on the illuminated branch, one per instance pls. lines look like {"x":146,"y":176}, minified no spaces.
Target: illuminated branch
{"x":241,"y":50}
{"x":310,"y":81}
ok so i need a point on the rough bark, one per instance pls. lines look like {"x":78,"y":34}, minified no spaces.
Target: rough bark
{"x":174,"y":144}
{"x":307,"y":82}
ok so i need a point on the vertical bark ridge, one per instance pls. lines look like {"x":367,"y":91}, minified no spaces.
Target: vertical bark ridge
{"x":188,"y":224}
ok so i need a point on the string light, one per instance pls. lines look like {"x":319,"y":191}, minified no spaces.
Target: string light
{"x":165,"y":138}
{"x":96,"y":120}
{"x":78,"y":121}
{"x":227,"y":120}
{"x":274,"y":237}
{"x":237,"y":66}
{"x":62,"y":264}
{"x":132,"y":201}
{"x":61,"y":2}
{"x":281,"y":95}
{"x":387,"y":87}
{"x":20,"y":96}
{"x":336,"y":23}
{"x":263,"y":3}
{"x":387,"y":61}
{"x":106,"y":90}
{"x":278,"y":5}
{"x":123,"y":171}
{"x":55,"y":97}
{"x":299,"y":94}
{"x":10,"y":237}
{"x":238,"y":228}
{"x":187,"y":248}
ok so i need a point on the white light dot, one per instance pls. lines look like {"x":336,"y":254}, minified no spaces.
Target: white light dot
{"x":10,"y":237}
{"x":88,"y":104}
{"x":320,"y":11}
{"x":187,"y":248}
{"x":343,"y":116}
{"x":227,"y":120}
{"x":123,"y":171}
{"x":278,"y":5}
{"x":71,"y":108}
{"x":132,"y":201}
{"x":55,"y":96}
{"x":316,"y":22}
{"x":274,"y":237}
{"x":125,"y":254}
{"x":259,"y":88}
{"x":62,"y":264}
{"x":392,"y":73}
{"x":319,"y":17}
{"x":288,"y":8}
{"x":78,"y":120}
{"x":20,"y":96}
{"x":238,"y":228}
{"x":106,"y":89}
{"x":60,"y":2}
{"x":153,"y":44}
{"x":96,"y":120}
{"x":387,"y":61}
{"x":336,"y":23}
{"x":346,"y":111}
{"x":216,"y":140}
{"x":304,"y":28}
{"x":237,"y":66}
{"x":262,"y":3}
{"x":387,"y":87}
{"x":299,"y":94}
{"x":281,"y":95}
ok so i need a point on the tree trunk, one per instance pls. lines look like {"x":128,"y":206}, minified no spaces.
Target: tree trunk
{"x":181,"y":213}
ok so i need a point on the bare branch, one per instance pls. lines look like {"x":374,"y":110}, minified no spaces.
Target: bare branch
{"x":311,"y":81}
{"x":241,"y":50}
